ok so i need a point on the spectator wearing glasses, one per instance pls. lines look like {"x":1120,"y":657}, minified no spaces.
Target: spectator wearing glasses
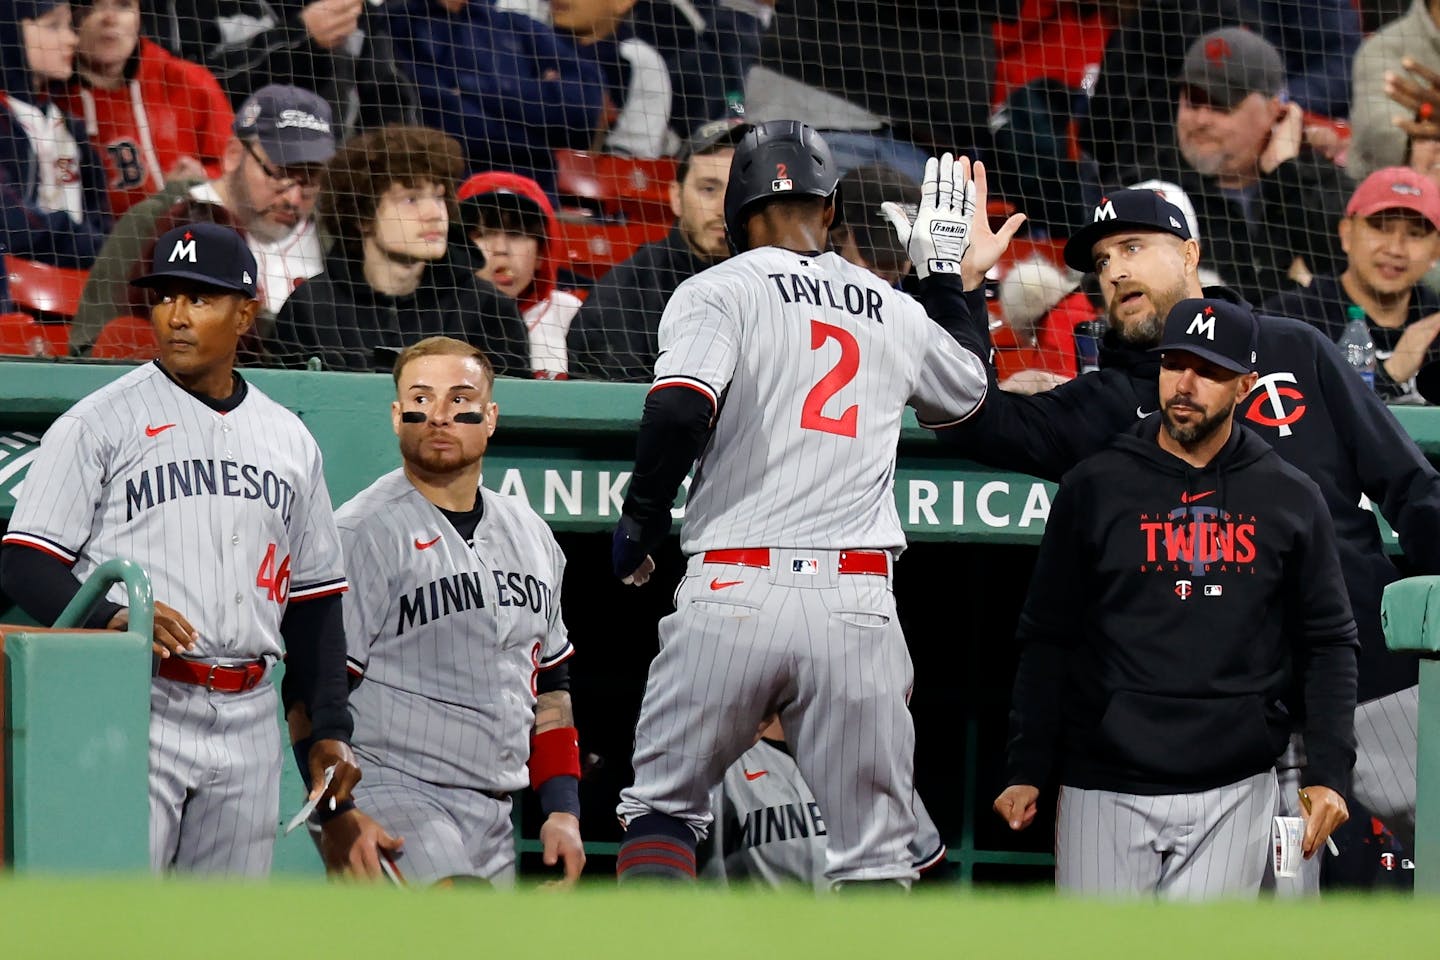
{"x":267,"y":189}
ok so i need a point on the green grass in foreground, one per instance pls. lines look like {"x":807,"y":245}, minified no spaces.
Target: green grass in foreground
{"x":158,"y":921}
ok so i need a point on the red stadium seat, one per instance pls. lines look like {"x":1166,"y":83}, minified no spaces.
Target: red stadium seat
{"x":21,"y":335}
{"x":635,"y":188}
{"x":40,"y":288}
{"x":591,"y":248}
{"x":126,"y":338}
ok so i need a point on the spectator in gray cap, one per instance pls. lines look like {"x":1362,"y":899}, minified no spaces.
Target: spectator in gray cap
{"x":863,"y":236}
{"x":1266,"y":202}
{"x":267,"y":189}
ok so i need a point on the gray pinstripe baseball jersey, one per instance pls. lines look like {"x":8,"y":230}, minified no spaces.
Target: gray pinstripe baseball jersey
{"x":769,"y":827}
{"x":811,"y":362}
{"x":230,"y":516}
{"x":447,"y":637}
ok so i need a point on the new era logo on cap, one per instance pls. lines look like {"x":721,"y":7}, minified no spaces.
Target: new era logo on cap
{"x":207,"y":254}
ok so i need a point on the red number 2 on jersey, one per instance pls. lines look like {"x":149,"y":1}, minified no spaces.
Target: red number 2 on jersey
{"x":274,"y":581}
{"x":832,"y":383}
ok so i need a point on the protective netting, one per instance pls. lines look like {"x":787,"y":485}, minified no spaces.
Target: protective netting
{"x":538,"y":178}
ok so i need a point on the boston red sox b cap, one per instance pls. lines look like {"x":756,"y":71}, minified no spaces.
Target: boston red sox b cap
{"x":205,"y":252}
{"x":1121,"y":211}
{"x":1222,"y":332}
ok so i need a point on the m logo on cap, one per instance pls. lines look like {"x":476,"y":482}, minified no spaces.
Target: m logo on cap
{"x":184,"y":249}
{"x":1106,"y":211}
{"x":1204,"y":323}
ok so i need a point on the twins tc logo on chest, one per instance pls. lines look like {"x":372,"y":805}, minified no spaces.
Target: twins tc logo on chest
{"x":1274,"y":404}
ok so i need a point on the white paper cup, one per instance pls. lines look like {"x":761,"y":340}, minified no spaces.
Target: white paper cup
{"x":1287,"y":845}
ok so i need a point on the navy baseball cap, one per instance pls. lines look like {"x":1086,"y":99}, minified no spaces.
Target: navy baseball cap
{"x":1222,"y":332}
{"x":1121,"y":211}
{"x":205,"y":252}
{"x":291,"y":123}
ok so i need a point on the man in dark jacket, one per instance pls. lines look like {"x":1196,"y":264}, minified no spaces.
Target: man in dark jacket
{"x":392,"y":277}
{"x":1266,"y":202}
{"x":1201,"y":571}
{"x":613,"y":337}
{"x":1307,"y":404}
{"x":1391,"y":237}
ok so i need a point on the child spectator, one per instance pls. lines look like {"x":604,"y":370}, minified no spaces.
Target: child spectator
{"x":153,"y":116}
{"x":509,"y":218}
{"x":52,"y":185}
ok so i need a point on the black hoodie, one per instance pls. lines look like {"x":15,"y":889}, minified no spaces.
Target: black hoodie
{"x":340,"y":318}
{"x":1309,"y":405}
{"x":1171,"y":610}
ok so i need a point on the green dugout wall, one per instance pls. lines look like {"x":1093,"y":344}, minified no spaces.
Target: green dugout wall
{"x":567,"y":447}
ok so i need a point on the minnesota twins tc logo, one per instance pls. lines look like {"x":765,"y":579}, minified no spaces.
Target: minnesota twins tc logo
{"x":1268,"y":408}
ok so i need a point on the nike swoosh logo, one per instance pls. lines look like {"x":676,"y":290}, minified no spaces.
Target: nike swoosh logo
{"x":1193,"y":497}
{"x":722,"y":584}
{"x":1141,"y":414}
{"x":756,"y":775}
{"x":425,"y":544}
{"x":156,"y":431}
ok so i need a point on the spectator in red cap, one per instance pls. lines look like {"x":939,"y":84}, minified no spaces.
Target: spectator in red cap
{"x":1391,"y":237}
{"x":509,"y":218}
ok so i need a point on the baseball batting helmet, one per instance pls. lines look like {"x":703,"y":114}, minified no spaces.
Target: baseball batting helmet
{"x":780,"y":158}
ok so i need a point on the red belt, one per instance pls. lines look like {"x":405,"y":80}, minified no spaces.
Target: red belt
{"x":213,"y":676}
{"x":851,"y":561}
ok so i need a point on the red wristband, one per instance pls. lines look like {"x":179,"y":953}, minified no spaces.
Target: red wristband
{"x":554,"y":753}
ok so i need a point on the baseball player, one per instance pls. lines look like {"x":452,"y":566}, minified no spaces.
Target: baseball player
{"x":456,"y":643}
{"x":769,"y":828}
{"x":789,"y":369}
{"x":217,"y":491}
{"x":1188,"y":578}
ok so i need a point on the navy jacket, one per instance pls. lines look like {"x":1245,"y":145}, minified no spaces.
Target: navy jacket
{"x":509,"y":88}
{"x":1309,"y":405}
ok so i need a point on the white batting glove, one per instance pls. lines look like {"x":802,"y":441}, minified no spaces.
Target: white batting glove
{"x":937,"y":241}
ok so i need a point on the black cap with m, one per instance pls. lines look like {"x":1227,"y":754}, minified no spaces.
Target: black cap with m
{"x":206,"y":253}
{"x":1124,"y":211}
{"x":1222,"y":332}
